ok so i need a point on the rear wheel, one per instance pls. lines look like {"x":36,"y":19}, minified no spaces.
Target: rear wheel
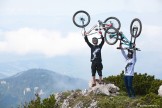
{"x":111,"y":35}
{"x":135,"y":27}
{"x":81,"y":19}
{"x":114,"y":21}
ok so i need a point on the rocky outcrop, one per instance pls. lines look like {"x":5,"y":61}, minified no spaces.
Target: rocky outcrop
{"x":106,"y":89}
{"x":77,"y":99}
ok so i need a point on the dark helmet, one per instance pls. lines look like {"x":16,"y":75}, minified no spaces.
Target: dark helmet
{"x":95,"y":40}
{"x":130,"y":54}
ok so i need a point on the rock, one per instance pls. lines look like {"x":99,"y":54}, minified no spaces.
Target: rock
{"x":72,"y":98}
{"x":79,"y":105}
{"x":107,"y":89}
{"x":93,"y":104}
{"x":160,"y":91}
{"x":100,"y":89}
{"x":58,"y":97}
{"x":65,"y":103}
{"x":97,"y":83}
{"x":73,"y":95}
{"x":85,"y":92}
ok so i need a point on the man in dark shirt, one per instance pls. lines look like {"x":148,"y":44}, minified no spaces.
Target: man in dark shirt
{"x":96,"y":57}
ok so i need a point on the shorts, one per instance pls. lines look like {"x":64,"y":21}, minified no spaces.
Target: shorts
{"x":96,"y":66}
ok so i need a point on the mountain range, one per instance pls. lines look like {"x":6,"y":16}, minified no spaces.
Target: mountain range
{"x":22,"y":87}
{"x":2,"y":75}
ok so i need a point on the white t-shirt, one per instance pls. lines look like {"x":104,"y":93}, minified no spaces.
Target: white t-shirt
{"x":130,"y":63}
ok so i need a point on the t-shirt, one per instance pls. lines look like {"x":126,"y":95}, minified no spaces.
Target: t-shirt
{"x":130,"y":63}
{"x":95,"y":50}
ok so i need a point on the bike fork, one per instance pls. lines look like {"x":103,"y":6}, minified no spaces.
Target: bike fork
{"x":135,"y":31}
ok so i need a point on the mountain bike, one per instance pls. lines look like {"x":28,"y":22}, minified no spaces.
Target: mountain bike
{"x":110,"y":26}
{"x":135,"y":31}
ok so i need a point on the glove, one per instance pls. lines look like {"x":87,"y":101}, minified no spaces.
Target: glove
{"x":100,"y":32}
{"x":85,"y":34}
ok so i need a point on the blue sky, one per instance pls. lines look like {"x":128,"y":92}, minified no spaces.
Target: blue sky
{"x":41,"y":34}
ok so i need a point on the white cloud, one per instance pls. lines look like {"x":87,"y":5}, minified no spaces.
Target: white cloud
{"x":49,"y":43}
{"x":53,"y":7}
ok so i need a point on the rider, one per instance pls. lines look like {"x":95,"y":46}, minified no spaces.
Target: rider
{"x":96,"y":57}
{"x":129,"y":70}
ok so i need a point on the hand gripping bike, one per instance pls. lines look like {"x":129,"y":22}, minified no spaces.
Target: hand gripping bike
{"x":110,"y":26}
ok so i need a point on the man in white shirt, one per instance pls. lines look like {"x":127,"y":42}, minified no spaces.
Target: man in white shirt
{"x":129,"y":70}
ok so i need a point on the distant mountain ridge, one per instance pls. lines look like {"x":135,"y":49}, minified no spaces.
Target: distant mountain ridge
{"x":24,"y":85}
{"x":2,"y":76}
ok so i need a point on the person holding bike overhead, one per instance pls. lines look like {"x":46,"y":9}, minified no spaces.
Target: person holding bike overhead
{"x":96,"y":58}
{"x":129,"y":70}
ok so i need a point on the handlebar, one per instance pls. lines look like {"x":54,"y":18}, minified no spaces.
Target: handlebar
{"x":133,"y":49}
{"x":98,"y":27}
{"x":126,"y":48}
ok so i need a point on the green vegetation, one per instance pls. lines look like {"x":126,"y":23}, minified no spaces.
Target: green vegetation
{"x":38,"y":103}
{"x":143,"y":83}
{"x":146,"y":88}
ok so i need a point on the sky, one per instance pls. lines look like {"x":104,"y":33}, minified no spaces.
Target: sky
{"x":41,"y":34}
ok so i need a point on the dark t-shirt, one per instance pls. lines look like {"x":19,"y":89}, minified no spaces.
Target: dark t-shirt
{"x":95,"y":50}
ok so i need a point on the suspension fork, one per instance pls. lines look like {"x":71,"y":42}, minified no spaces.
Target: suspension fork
{"x":120,"y":38}
{"x":135,"y":29}
{"x":82,"y":19}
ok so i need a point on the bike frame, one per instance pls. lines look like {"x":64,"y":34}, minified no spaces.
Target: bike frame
{"x":97,"y":28}
{"x":124,"y":41}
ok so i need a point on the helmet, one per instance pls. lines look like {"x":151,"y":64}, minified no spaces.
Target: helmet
{"x":95,"y":40}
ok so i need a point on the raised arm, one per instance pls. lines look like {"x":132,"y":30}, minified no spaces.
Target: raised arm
{"x":87,"y":41}
{"x":124,"y":54}
{"x":134,"y":56}
{"x":102,"y":42}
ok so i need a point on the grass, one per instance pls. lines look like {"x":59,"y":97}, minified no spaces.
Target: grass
{"x":103,"y":101}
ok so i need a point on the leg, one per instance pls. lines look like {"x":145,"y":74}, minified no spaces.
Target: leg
{"x":93,"y":68}
{"x":126,"y":85}
{"x":130,"y":80}
{"x":94,"y":80}
{"x":100,"y":78}
{"x":99,"y":70}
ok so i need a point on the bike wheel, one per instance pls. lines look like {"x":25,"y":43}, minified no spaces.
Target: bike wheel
{"x":135,"y":27}
{"x":111,"y":35}
{"x":81,"y":19}
{"x":113,"y":20}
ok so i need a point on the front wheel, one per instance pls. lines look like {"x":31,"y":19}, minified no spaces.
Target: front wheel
{"x":81,"y":19}
{"x":135,"y":27}
{"x":111,"y":35}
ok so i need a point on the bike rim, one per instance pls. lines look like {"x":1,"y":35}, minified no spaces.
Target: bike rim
{"x":81,"y":19}
{"x":111,"y":36}
{"x":136,"y":27}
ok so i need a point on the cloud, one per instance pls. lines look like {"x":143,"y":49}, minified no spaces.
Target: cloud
{"x":50,"y":43}
{"x":53,"y":7}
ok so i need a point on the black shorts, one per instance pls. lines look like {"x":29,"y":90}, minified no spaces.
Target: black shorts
{"x":96,"y":67}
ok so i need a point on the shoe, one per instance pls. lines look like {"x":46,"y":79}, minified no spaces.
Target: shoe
{"x":93,"y":85}
{"x":101,"y":82}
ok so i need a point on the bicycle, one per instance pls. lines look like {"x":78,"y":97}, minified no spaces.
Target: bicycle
{"x":111,"y":25}
{"x":135,"y":31}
